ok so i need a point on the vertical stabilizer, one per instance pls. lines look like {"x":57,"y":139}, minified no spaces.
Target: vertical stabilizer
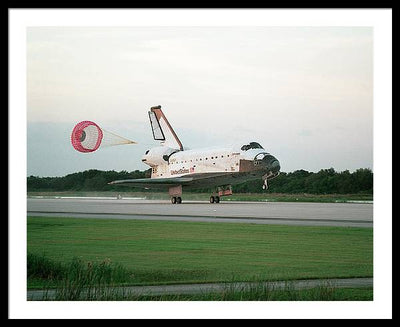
{"x":162,"y":130}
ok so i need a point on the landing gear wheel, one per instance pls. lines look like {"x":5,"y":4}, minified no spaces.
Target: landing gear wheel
{"x":178,"y":200}
{"x":212,"y":199}
{"x":173,"y":200}
{"x":217,"y":199}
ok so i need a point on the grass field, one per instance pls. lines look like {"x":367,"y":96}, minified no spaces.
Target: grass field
{"x":157,"y":252}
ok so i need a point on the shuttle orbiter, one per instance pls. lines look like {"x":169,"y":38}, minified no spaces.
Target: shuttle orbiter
{"x":175,"y":169}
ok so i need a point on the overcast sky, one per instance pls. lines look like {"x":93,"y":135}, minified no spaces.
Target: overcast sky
{"x":304,"y":93}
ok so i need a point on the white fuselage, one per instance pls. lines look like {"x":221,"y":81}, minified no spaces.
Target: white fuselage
{"x":205,"y":160}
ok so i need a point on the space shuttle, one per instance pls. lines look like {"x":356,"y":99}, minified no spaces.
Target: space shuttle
{"x":175,"y":169}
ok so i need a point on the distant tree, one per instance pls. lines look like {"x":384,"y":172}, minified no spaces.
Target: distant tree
{"x":326,"y":181}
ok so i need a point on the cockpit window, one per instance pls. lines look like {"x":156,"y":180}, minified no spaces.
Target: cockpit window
{"x":252,"y":145}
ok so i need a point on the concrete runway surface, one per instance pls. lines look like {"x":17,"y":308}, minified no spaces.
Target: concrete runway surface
{"x":288,"y":213}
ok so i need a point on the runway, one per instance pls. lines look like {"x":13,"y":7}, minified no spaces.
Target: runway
{"x":288,"y":213}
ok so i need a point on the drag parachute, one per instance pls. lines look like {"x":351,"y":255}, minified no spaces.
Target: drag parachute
{"x":87,"y":136}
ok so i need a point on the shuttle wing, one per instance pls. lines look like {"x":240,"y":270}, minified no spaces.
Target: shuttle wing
{"x":201,"y":180}
{"x":154,"y":183}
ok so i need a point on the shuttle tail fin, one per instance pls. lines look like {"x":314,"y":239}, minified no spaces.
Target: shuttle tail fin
{"x":162,"y":130}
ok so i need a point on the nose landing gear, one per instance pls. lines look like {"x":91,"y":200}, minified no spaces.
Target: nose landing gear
{"x":265,"y":185}
{"x":265,"y":179}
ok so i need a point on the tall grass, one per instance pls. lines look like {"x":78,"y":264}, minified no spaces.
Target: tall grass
{"x":41,"y":267}
{"x":97,"y":281}
{"x":261,"y":291}
{"x":76,"y":280}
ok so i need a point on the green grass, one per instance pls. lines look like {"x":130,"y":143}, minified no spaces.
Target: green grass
{"x":261,"y":293}
{"x":77,"y":281}
{"x":75,"y":278}
{"x":165,"y":252}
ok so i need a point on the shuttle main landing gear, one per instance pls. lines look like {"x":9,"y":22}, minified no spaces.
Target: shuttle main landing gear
{"x":175,"y":192}
{"x":176,"y":199}
{"x":221,"y":191}
{"x":214,"y":199}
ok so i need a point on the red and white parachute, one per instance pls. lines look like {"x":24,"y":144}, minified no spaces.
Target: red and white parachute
{"x":87,"y":136}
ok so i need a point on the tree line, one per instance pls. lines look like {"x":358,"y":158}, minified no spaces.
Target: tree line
{"x":326,"y":181}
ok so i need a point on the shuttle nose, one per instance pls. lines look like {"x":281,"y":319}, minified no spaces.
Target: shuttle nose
{"x":275,"y":166}
{"x":271,"y":163}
